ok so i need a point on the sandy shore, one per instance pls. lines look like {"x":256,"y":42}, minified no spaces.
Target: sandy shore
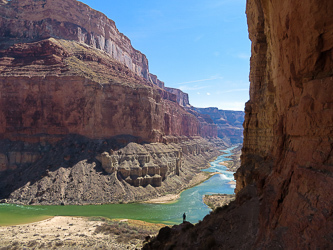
{"x":61,"y":232}
{"x":169,"y":198}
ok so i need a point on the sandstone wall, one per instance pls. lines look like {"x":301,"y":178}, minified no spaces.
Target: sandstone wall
{"x":31,"y":106}
{"x":30,"y":20}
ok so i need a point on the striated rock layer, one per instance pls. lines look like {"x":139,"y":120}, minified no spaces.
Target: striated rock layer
{"x":61,"y":87}
{"x":78,"y":170}
{"x":283,"y":185}
{"x":33,"y":20}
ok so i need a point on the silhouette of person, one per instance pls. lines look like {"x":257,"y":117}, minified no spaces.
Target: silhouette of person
{"x":184,"y":217}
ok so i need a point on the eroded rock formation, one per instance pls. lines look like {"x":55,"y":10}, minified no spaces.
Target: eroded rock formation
{"x":79,"y":170}
{"x":283,"y":185}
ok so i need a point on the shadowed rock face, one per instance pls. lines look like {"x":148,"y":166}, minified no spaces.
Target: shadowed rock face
{"x":283,"y":199}
{"x":287,"y":151}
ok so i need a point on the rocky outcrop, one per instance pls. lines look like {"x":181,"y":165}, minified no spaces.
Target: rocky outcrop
{"x":282,"y":198}
{"x":153,"y":78}
{"x":229,"y":123}
{"x":141,"y":165}
{"x":79,"y":170}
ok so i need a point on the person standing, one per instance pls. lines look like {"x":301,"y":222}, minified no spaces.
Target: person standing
{"x":184,"y":217}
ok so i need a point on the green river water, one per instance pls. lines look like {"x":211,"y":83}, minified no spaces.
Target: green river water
{"x":190,"y":202}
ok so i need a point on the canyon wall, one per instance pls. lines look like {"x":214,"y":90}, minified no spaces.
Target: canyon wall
{"x":61,"y":87}
{"x":30,"y":20}
{"x":229,"y":123}
{"x":283,"y":186}
{"x":288,"y":138}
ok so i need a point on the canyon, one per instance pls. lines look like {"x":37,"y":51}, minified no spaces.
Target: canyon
{"x":282,"y":192}
{"x":82,"y":120}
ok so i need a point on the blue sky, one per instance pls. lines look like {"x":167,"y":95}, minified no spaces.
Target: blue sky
{"x":198,"y":46}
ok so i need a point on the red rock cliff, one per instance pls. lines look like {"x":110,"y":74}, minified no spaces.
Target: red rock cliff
{"x":30,"y":20}
{"x":284,"y":198}
{"x":64,"y":72}
{"x":288,"y":138}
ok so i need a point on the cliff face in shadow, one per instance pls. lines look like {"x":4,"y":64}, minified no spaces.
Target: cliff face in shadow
{"x":283,"y":199}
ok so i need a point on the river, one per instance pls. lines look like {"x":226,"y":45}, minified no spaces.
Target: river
{"x":190,"y":202}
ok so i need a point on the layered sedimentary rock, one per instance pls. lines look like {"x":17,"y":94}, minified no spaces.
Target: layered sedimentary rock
{"x":283,"y":185}
{"x":61,"y":87}
{"x":229,"y":123}
{"x":30,"y":20}
{"x":79,"y":170}
{"x":141,"y":165}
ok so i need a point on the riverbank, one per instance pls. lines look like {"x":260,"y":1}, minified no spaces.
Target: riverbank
{"x":219,"y":200}
{"x":77,"y":233}
{"x":234,"y":163}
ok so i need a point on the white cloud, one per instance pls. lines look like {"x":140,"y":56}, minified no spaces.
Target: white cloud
{"x":208,"y":93}
{"x":196,"y":87}
{"x":202,"y":80}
